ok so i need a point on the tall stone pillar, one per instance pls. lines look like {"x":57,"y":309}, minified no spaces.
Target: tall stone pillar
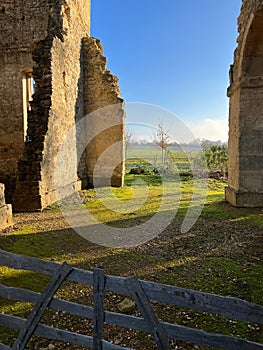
{"x":245,"y":184}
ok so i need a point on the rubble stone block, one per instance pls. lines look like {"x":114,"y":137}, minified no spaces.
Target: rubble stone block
{"x":6,"y":218}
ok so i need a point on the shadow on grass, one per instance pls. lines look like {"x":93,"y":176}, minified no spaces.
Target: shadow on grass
{"x":206,"y":258}
{"x":220,"y":254}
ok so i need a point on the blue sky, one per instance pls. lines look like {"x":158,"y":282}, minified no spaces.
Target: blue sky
{"x":172,"y":53}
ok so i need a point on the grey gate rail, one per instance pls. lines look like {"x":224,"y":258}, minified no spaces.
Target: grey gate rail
{"x":142,"y":291}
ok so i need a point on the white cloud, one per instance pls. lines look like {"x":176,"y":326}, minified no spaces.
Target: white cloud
{"x":210,"y":129}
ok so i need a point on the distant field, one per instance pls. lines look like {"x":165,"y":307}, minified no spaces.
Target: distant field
{"x":151,"y":156}
{"x":154,"y":151}
{"x":144,"y":152}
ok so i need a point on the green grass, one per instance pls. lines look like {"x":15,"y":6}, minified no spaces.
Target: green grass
{"x":220,"y":254}
{"x":150,"y":157}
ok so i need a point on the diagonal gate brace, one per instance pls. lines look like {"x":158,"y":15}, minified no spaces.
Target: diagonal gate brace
{"x":31,"y":324}
{"x":148,"y":314}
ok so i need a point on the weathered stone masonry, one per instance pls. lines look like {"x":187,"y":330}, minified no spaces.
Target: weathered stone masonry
{"x":246,"y":110}
{"x":6,"y":218}
{"x":52,"y":38}
{"x":99,"y":81}
{"x":18,"y":25}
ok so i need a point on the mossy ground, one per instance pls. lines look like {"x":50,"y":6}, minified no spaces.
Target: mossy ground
{"x":220,"y":254}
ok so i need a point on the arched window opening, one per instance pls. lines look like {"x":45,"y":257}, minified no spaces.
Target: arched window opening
{"x":28,"y":91}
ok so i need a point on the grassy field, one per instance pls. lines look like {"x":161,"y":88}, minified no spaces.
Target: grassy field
{"x":176,"y":159}
{"x":220,"y":254}
{"x":151,"y":151}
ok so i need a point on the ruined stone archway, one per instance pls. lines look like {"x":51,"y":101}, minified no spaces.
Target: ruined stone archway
{"x":245,"y":186}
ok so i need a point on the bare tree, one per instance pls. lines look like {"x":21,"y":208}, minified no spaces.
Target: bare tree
{"x":162,"y":139}
{"x":129,"y":139}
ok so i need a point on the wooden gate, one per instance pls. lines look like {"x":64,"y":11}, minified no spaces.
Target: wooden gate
{"x":142,"y":291}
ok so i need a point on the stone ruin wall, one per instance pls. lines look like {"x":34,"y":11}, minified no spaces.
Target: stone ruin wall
{"x":98,"y":81}
{"x":6,"y":218}
{"x":56,"y":72}
{"x":245,"y":185}
{"x":53,"y":38}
